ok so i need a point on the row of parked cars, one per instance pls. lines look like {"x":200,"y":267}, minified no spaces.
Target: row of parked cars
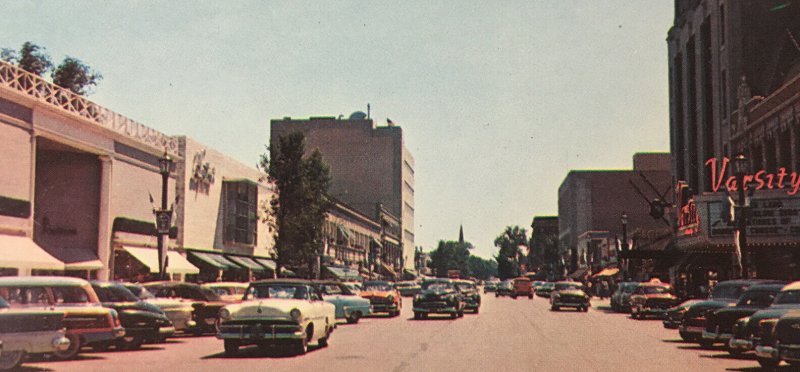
{"x":755,"y":316}
{"x":58,"y":316}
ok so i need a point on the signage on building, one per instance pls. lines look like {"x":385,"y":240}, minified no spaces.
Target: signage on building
{"x":790,"y":182}
{"x":688,"y":220}
{"x":768,"y":217}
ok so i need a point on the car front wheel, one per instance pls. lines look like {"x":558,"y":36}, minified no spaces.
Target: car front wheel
{"x":231,"y":347}
{"x":353,"y":318}
{"x":768,"y":362}
{"x":72,"y":351}
{"x":130,"y":342}
{"x":11,"y":359}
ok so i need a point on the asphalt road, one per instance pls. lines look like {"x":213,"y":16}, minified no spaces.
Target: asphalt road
{"x":507,"y":335}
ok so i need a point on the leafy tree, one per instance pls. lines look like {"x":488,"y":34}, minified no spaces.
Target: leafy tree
{"x":450,"y":255}
{"x":300,"y":206}
{"x":34,"y":59}
{"x":79,"y":78}
{"x":481,"y":268}
{"x":510,"y":255}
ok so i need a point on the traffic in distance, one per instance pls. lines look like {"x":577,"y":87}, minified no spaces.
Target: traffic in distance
{"x":58,"y":318}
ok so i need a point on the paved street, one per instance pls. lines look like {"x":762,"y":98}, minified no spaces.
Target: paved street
{"x":508,"y":335}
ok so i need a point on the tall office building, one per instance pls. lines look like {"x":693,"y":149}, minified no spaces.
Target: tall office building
{"x":370,"y":166}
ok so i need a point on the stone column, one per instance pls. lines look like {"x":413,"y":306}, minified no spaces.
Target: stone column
{"x":32,"y":188}
{"x":104,"y":247}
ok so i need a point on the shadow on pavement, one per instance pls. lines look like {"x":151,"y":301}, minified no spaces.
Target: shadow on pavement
{"x":253,"y":351}
{"x":678,"y":341}
{"x":756,"y":368}
{"x":433,"y":318}
{"x":745,"y":356}
{"x":701,"y":348}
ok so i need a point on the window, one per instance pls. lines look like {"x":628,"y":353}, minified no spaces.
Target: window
{"x":722,"y":24}
{"x":240,"y":205}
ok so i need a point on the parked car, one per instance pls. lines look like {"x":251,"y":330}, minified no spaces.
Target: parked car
{"x":29,"y":331}
{"x":179,"y":311}
{"x":725,"y":294}
{"x":489,"y":287}
{"x":383,"y":297}
{"x":288,"y":313}
{"x":569,"y":294}
{"x":407,"y":288}
{"x":719,"y":324}
{"x":746,"y":335}
{"x":143,"y":322}
{"x":652,"y":298}
{"x":438,"y":296}
{"x":522,"y":287}
{"x":620,"y":299}
{"x":349,"y":305}
{"x":766,"y":352}
{"x":505,"y":288}
{"x":205,"y":302}
{"x":470,"y":295}
{"x":545,"y":290}
{"x":227,"y":291}
{"x":674,"y":315}
{"x":785,"y":342}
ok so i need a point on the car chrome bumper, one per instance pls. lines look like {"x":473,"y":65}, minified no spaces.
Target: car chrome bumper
{"x":349,"y":310}
{"x":740,"y":344}
{"x":718,"y":337}
{"x":692,"y":330}
{"x":789,"y":352}
{"x":383,"y":308}
{"x":767,"y":352}
{"x":671,"y":324}
{"x":441,"y":310}
{"x":571,"y":304}
{"x":35,"y":342}
{"x":246,"y":332}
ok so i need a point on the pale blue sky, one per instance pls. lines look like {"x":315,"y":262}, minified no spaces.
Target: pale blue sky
{"x":497,"y":100}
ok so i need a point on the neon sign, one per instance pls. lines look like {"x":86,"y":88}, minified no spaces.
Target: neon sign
{"x":762,"y":178}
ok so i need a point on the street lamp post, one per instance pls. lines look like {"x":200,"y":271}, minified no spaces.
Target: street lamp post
{"x":622,"y":261}
{"x":163,"y":215}
{"x":740,"y":168}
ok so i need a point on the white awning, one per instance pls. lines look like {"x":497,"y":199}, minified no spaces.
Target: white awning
{"x":84,"y":265}
{"x":176,"y":264}
{"x":22,"y":253}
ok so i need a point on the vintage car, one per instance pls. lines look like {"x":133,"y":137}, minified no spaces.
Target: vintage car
{"x":724,"y":294}
{"x":29,"y":331}
{"x":766,"y":352}
{"x":719,"y":324}
{"x":652,"y":298}
{"x":205,"y":302}
{"x":383,"y":297}
{"x":489,"y":287}
{"x":178,"y":310}
{"x":287,"y":313}
{"x":522,"y":287}
{"x":407,"y":288}
{"x":620,"y":299}
{"x":469,"y":293}
{"x":349,"y":305}
{"x":504,"y":288}
{"x":674,"y":315}
{"x":438,"y":296}
{"x":785,"y":342}
{"x":746,"y":334}
{"x":545,"y":290}
{"x":86,"y":320}
{"x":569,"y":294}
{"x":142,"y":321}
{"x":227,"y":291}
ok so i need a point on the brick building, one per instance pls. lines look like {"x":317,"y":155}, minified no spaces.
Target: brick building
{"x":369,"y":165}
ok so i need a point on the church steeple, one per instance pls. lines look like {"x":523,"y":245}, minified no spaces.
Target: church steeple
{"x":461,"y":235}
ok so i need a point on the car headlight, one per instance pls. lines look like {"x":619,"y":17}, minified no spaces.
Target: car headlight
{"x":390,"y":298}
{"x":224,"y":314}
{"x":115,"y":318}
{"x":295,"y":314}
{"x":417,"y":297}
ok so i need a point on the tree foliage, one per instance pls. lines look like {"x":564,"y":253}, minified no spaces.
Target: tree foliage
{"x":481,"y":268}
{"x":450,"y":255}
{"x":34,"y":59}
{"x":299,"y":208}
{"x":74,"y":75}
{"x":510,"y":255}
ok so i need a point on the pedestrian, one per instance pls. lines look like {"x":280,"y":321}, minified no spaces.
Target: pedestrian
{"x":604,"y":290}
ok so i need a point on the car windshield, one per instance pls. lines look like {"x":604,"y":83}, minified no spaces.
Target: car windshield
{"x":657,"y":290}
{"x":335,"y":289}
{"x":436,"y":286}
{"x":757,"y":298}
{"x":788,"y":297}
{"x":140,"y":292}
{"x":284,"y":291}
{"x":377,"y":287}
{"x":727,"y":291}
{"x":566,"y":286}
{"x":114,"y":294}
{"x":70,"y":295}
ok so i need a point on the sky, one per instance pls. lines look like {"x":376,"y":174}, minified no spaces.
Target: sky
{"x":497,"y":100}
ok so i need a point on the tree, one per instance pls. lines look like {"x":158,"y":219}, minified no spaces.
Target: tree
{"x":299,"y":208}
{"x":79,"y":78}
{"x":33,"y":59}
{"x":450,"y":255}
{"x":481,"y":268}
{"x":510,"y":255}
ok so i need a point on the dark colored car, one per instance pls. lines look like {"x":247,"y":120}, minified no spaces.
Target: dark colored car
{"x":748,"y":333}
{"x":438,"y":296}
{"x":143,"y":322}
{"x":652,"y":298}
{"x":469,"y":292}
{"x":489,"y":287}
{"x":719,"y":324}
{"x":545,"y":290}
{"x":504,"y":288}
{"x":725,"y":294}
{"x":786,"y":340}
{"x":620,"y":299}
{"x":206,"y":303}
{"x":674,"y":315}
{"x":569,"y":294}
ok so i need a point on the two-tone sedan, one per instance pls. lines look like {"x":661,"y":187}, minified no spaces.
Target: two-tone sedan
{"x":383,"y":297}
{"x":205,"y":302}
{"x":569,"y":294}
{"x":29,"y":331}
{"x":407,"y":288}
{"x":652,"y":298}
{"x":142,"y":321}
{"x":284,"y":313}
{"x":438,"y":296}
{"x":179,"y":311}
{"x":470,"y":294}
{"x":349,"y":306}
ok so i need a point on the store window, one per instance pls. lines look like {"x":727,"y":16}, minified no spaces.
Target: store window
{"x":241,"y":217}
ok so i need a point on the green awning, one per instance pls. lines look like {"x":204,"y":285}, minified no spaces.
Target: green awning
{"x":247,"y":262}
{"x":212,"y":259}
{"x":266,"y":262}
{"x":344,"y":273}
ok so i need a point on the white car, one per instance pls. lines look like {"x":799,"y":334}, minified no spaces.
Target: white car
{"x":228,"y":291}
{"x":288,"y":313}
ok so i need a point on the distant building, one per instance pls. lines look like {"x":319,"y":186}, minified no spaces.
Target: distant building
{"x":369,"y":165}
{"x":544,"y":248}
{"x":594,"y":201}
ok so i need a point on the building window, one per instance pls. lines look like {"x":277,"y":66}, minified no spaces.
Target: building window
{"x":241,"y":217}
{"x":722,"y":24}
{"x":724,"y":93}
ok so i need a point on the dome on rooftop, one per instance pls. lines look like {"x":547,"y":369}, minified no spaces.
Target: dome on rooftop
{"x":358,"y":115}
